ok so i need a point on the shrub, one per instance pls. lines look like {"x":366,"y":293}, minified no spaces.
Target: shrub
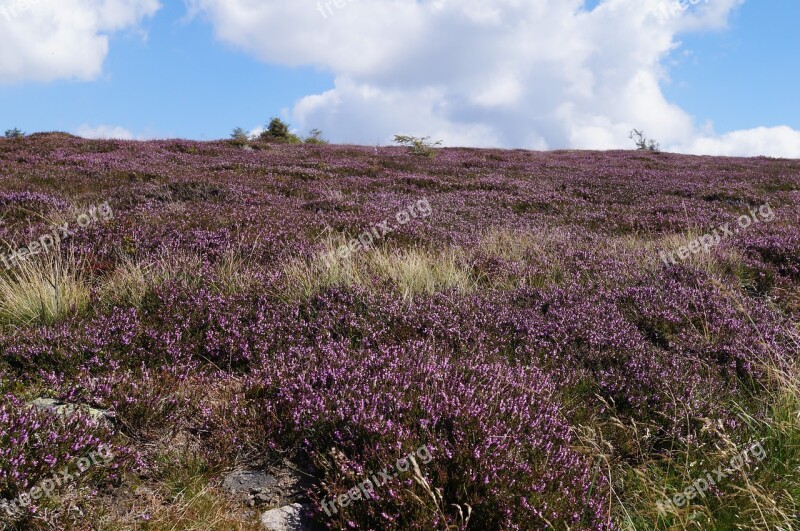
{"x":315,"y":137}
{"x":421,"y":146}
{"x":642,"y":142}
{"x":14,"y":133}
{"x":278,"y":128}
{"x":239,"y":137}
{"x":278,"y":131}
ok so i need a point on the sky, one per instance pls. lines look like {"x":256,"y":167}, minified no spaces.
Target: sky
{"x":716,"y":77}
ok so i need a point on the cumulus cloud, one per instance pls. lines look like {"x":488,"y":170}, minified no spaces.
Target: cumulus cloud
{"x":46,"y":40}
{"x":107,"y":131}
{"x":769,"y":141}
{"x":516,"y":73}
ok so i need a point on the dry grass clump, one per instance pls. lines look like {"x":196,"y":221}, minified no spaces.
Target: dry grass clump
{"x":717,"y":261}
{"x":411,"y":272}
{"x":234,"y":272}
{"x":127,"y":285}
{"x":421,"y":272}
{"x":307,"y":277}
{"x":132,"y":280}
{"x":516,"y":246}
{"x":43,"y":289}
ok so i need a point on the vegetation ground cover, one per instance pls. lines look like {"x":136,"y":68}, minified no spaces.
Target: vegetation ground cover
{"x":527,"y":332}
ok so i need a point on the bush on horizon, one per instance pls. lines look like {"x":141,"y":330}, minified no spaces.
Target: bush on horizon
{"x":420,"y":146}
{"x":239,"y":137}
{"x":14,"y":133}
{"x":278,"y":131}
{"x":315,"y":138}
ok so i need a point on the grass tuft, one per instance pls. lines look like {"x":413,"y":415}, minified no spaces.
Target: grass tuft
{"x":416,"y":272}
{"x":411,"y":272}
{"x":43,"y":289}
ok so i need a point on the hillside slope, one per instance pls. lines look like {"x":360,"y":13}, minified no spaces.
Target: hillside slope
{"x":566,"y":339}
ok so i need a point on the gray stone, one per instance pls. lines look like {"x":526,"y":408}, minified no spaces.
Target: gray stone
{"x":67,"y":410}
{"x":288,"y":518}
{"x":253,"y":486}
{"x":272,"y":486}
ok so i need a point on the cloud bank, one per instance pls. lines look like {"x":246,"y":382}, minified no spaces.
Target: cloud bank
{"x":47,"y":40}
{"x":104,"y":131}
{"x":537,"y":74}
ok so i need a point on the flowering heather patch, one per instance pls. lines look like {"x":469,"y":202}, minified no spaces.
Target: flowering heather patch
{"x":35,"y":445}
{"x":505,"y":444}
{"x":527,"y":331}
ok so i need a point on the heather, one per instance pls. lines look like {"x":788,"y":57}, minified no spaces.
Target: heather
{"x":40,"y":446}
{"x":526,"y":331}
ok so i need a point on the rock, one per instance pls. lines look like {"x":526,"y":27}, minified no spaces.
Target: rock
{"x":280,"y":485}
{"x":67,"y":410}
{"x":254,"y":486}
{"x":288,"y":518}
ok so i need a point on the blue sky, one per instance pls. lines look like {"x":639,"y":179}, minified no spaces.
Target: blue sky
{"x":173,"y":80}
{"x":745,"y":76}
{"x":165,"y":73}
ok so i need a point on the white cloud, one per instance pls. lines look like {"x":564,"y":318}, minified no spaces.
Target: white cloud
{"x":513,"y":73}
{"x":45,"y":40}
{"x":256,"y":131}
{"x":769,"y":141}
{"x":106,"y":131}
